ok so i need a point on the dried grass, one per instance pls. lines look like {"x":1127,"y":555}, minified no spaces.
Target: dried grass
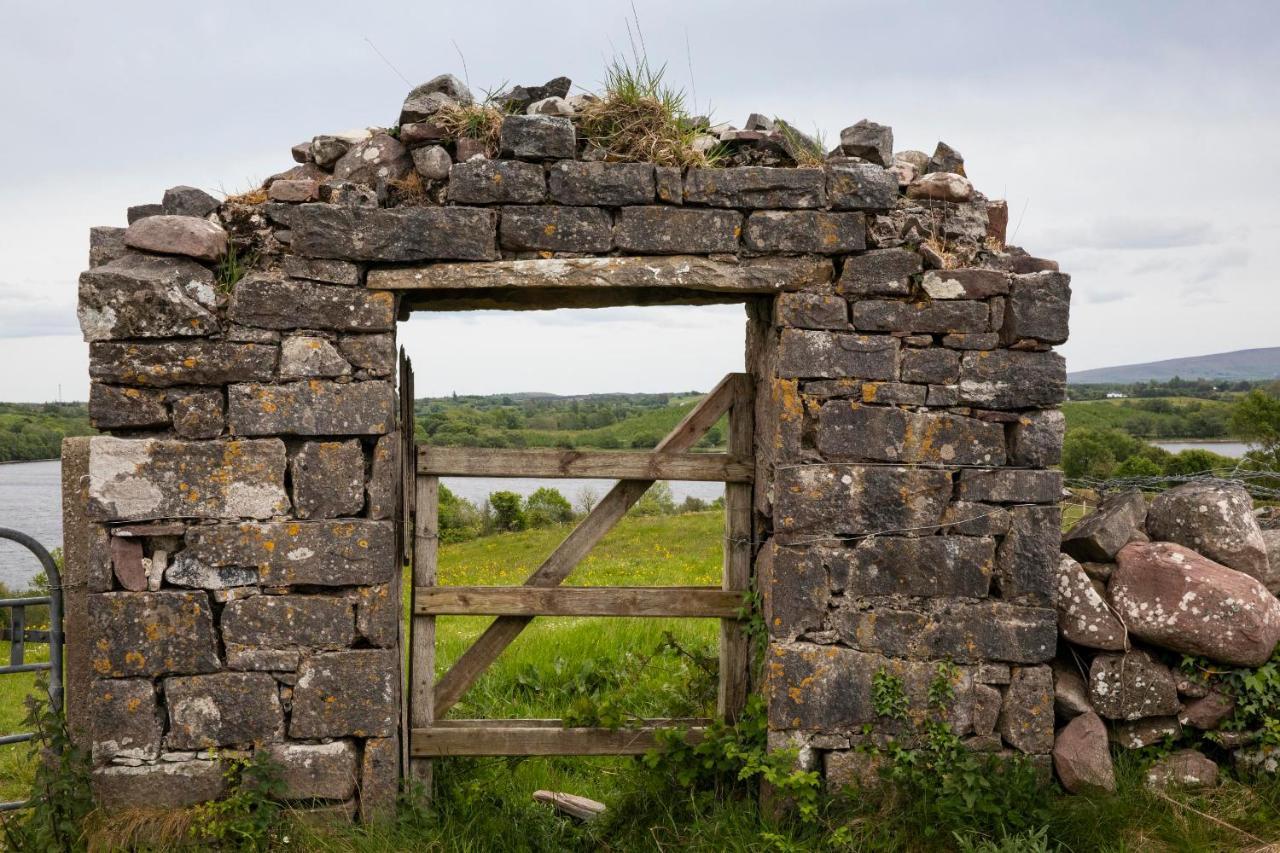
{"x":254,"y":196}
{"x":640,"y":119}
{"x":472,"y":121}
{"x":133,"y":829}
{"x":411,"y":189}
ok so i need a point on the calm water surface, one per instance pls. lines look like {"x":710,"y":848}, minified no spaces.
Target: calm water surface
{"x":1234,"y":449}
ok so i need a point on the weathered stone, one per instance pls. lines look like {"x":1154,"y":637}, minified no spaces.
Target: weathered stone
{"x":266,"y":301}
{"x":933,"y":566}
{"x":316,"y":407}
{"x":1149,"y":731}
{"x":852,"y":770}
{"x":141,"y":211}
{"x":966,"y":518}
{"x":1027,"y":559}
{"x":556,"y":228}
{"x":1186,"y":768}
{"x":886,"y":272}
{"x":432,"y":162}
{"x":379,"y":778}
{"x":188,"y":201}
{"x":178,"y":235}
{"x":496,"y":182}
{"x":402,"y":234}
{"x":972,"y":341}
{"x":894,"y":393}
{"x":813,"y":231}
{"x":941,"y":186}
{"x":868,"y":140}
{"x":198,"y":414}
{"x":860,"y":186}
{"x":670,"y":230}
{"x":669,"y":183}
{"x":854,"y":432}
{"x":187,"y":570}
{"x":336,"y":192}
{"x":165,"y":363}
{"x":965,"y":633}
{"x":151,"y":633}
{"x":426,"y":99}
{"x":518,"y":98}
{"x":986,"y":709}
{"x":319,"y":553}
{"x":143,"y":296}
{"x":609,"y":184}
{"x":467,"y":149}
{"x":124,"y":717}
{"x":322,"y":269}
{"x":134,"y":479}
{"x":1035,"y":440}
{"x":811,"y":311}
{"x":328,"y":479}
{"x":550,"y":107}
{"x":168,"y":785}
{"x":1171,"y":596}
{"x":377,"y":615}
{"x":383,"y":477}
{"x":223,"y":709}
{"x":114,"y":407}
{"x":106,"y":243}
{"x":294,"y":191}
{"x":1214,"y":518}
{"x":374,"y":353}
{"x":1010,"y":486}
{"x":1100,"y":535}
{"x":1261,"y":759}
{"x":255,"y":659}
{"x":930,"y":365}
{"x":1009,"y":379}
{"x":1082,"y":757}
{"x":288,"y":621}
{"x":965,"y":283}
{"x":1070,"y":693}
{"x":857,"y":499}
{"x":1271,"y":538}
{"x":875,"y":315}
{"x":1132,"y":686}
{"x":813,"y":354}
{"x":1026,"y":719}
{"x":945,"y":159}
{"x":346,"y":693}
{"x":379,"y":159}
{"x":1037,"y":308}
{"x":796,"y":588}
{"x":315,"y":771}
{"x":310,"y":357}
{"x":537,"y":137}
{"x":1084,"y":617}
{"x":755,"y":186}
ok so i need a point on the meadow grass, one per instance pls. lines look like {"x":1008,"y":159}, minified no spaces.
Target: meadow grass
{"x":15,"y":763}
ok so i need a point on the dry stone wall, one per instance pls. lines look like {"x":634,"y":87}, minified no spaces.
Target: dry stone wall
{"x":242,"y":560}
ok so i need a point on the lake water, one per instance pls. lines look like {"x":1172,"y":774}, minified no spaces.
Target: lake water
{"x":31,"y":501}
{"x":1234,"y":449}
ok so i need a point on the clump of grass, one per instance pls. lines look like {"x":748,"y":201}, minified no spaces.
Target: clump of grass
{"x":257,"y":195}
{"x":641,"y":119}
{"x":233,"y":266}
{"x":809,"y":152}
{"x":472,"y":121}
{"x":411,"y":189}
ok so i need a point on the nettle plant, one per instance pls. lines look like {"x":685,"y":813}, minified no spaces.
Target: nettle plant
{"x":1255,"y":692}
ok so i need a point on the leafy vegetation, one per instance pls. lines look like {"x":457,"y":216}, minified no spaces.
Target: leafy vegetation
{"x":31,"y":431}
{"x":1154,"y":417}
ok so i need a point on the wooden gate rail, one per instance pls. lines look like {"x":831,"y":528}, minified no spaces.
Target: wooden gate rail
{"x":686,"y":601}
{"x":605,"y":464}
{"x":542,"y":737}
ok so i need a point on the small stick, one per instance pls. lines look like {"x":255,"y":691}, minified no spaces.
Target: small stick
{"x":1265,"y":844}
{"x":571,"y":804}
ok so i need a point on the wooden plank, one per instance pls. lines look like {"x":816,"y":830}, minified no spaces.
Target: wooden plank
{"x":735,"y":646}
{"x":553,"y":723}
{"x":508,"y":737}
{"x":423,"y":627}
{"x":405,"y":489}
{"x":686,"y":601}
{"x":503,"y":630}
{"x":606,"y":464}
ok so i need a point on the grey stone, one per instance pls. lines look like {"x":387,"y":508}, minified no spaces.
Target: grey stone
{"x":151,"y":633}
{"x":858,"y":499}
{"x":1081,"y":756}
{"x":1027,"y":559}
{"x":1038,"y":308}
{"x":518,"y":98}
{"x":856,"y":432}
{"x":322,"y":269}
{"x":1149,"y":731}
{"x":868,"y":140}
{"x":378,"y":615}
{"x":1084,"y":616}
{"x":608,"y":184}
{"x":1070,"y":693}
{"x":158,"y":786}
{"x":755,"y":186}
{"x":136,"y":479}
{"x":294,"y":191}
{"x":374,"y":353}
{"x":124,"y":716}
{"x":966,"y":518}
{"x":432,"y":162}
{"x":379,"y":159}
{"x":255,"y":659}
{"x":402,"y":234}
{"x":223,"y":709}
{"x":814,"y":231}
{"x":852,"y":770}
{"x":556,"y":228}
{"x":178,"y":235}
{"x":496,"y":182}
{"x":972,"y":341}
{"x":143,"y":296}
{"x":426,"y":99}
{"x":383,"y":477}
{"x":1100,"y":535}
{"x":987,"y":702}
{"x":1026,"y":719}
{"x":346,"y":693}
{"x":188,"y":201}
{"x":670,"y":230}
{"x":552,"y":106}
{"x":379,"y":778}
{"x":1035,"y":440}
{"x":1010,"y":486}
{"x":106,"y":243}
{"x":187,"y":570}
{"x":1132,"y":686}
{"x":317,"y":553}
{"x":931,"y":365}
{"x":965,"y":283}
{"x":925,"y":566}
{"x":1008,"y":379}
{"x":886,"y":272}
{"x":961,"y":632}
{"x":317,"y":407}
{"x":941,"y":186}
{"x":115,"y":407}
{"x":539,"y":137}
{"x":328,"y":479}
{"x":796,"y":588}
{"x":1214,"y":518}
{"x":269,"y":302}
{"x":142,"y":211}
{"x":832,"y":355}
{"x":344,"y":194}
{"x":945,"y":159}
{"x":289,"y":621}
{"x":198,"y":414}
{"x":316,"y":771}
{"x":875,"y":315}
{"x":162,"y":364}
{"x":860,"y":186}
{"x":894,"y":393}
{"x":310,"y":357}
{"x":669,"y":181}
{"x":811,"y":311}
{"x":1186,"y":768}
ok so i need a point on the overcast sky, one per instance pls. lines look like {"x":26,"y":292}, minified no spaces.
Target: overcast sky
{"x":1135,"y":143}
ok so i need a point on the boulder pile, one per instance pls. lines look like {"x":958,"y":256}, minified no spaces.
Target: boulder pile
{"x":1141,"y":589}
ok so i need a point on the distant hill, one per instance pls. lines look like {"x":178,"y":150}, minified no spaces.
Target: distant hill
{"x":1252,"y":364}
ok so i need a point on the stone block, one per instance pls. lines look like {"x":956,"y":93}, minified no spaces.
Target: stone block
{"x":255,"y":659}
{"x":868,"y":140}
{"x":971,"y":341}
{"x":1009,"y":379}
{"x":831,"y":355}
{"x":556,"y":228}
{"x":852,"y":770}
{"x":894,"y":393}
{"x":1084,"y":616}
{"x":884,"y":272}
{"x":144,"y":296}
{"x":861,"y":186}
{"x":1010,"y":485}
{"x":607,"y":184}
{"x":400,"y":234}
{"x":170,"y":785}
{"x":381,"y":159}
{"x":1038,"y":308}
{"x":116,"y":407}
{"x":1132,"y":686}
{"x":288,"y":621}
{"x":178,"y":235}
{"x":1026,"y":720}
{"x":935,"y":366}
{"x":328,"y":479}
{"x":378,"y":614}
{"x":876,"y":315}
{"x":967,"y":518}
{"x":670,"y":230}
{"x":796,"y":588}
{"x":323,"y":269}
{"x":497,"y":182}
{"x":316,"y":771}
{"x":1035,"y":440}
{"x":316,"y":553}
{"x":858,"y":499}
{"x":151,"y":633}
{"x":223,"y":709}
{"x":124,"y":717}
{"x":266,"y":301}
{"x":965,"y":283}
{"x":311,"y":357}
{"x":537,"y":137}
{"x":810,"y":311}
{"x":187,"y":570}
{"x":374,"y":353}
{"x":379,"y":778}
{"x":141,"y":211}
{"x":199,"y":414}
{"x":126,"y":562}
{"x":106,"y":243}
{"x":384,"y":477}
{"x":1100,"y":535}
{"x":135,"y":479}
{"x":1027,"y":560}
{"x":346,"y":693}
{"x":924,"y":566}
{"x":669,"y":182}
{"x":316,"y":407}
{"x":961,"y":632}
{"x":855,"y":432}
{"x":163,"y":364}
{"x":815,"y":231}
{"x":755,"y":186}
{"x":1149,"y":731}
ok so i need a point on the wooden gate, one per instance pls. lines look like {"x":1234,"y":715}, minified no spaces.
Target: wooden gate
{"x":429,"y":734}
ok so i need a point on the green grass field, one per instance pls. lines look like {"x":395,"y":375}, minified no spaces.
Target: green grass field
{"x":15,"y":765}
{"x":1153,"y":417}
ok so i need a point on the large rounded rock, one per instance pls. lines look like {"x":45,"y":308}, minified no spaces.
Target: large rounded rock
{"x":380,"y":158}
{"x":1215,"y":518}
{"x":1173,"y":597}
{"x":178,"y":235}
{"x":1132,"y":686}
{"x":1186,"y":768}
{"x":1084,"y":617}
{"x":1082,"y":757}
{"x":1272,"y":540}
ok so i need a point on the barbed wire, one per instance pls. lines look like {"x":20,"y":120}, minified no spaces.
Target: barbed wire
{"x":1258,"y":483}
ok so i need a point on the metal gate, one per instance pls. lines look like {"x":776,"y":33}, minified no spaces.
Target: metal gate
{"x":19,"y":635}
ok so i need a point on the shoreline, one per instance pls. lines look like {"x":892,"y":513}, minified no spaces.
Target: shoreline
{"x":28,"y":461}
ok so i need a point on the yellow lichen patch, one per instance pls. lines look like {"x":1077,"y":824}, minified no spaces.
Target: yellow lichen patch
{"x":549,"y":229}
{"x":869,"y":391}
{"x":135,"y":659}
{"x":131,"y":706}
{"x":102,"y":666}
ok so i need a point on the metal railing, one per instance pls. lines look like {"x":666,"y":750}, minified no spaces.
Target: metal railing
{"x":19,"y":636}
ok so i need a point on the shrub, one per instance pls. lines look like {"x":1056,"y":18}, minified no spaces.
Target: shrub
{"x":508,"y":511}
{"x":546,"y":507}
